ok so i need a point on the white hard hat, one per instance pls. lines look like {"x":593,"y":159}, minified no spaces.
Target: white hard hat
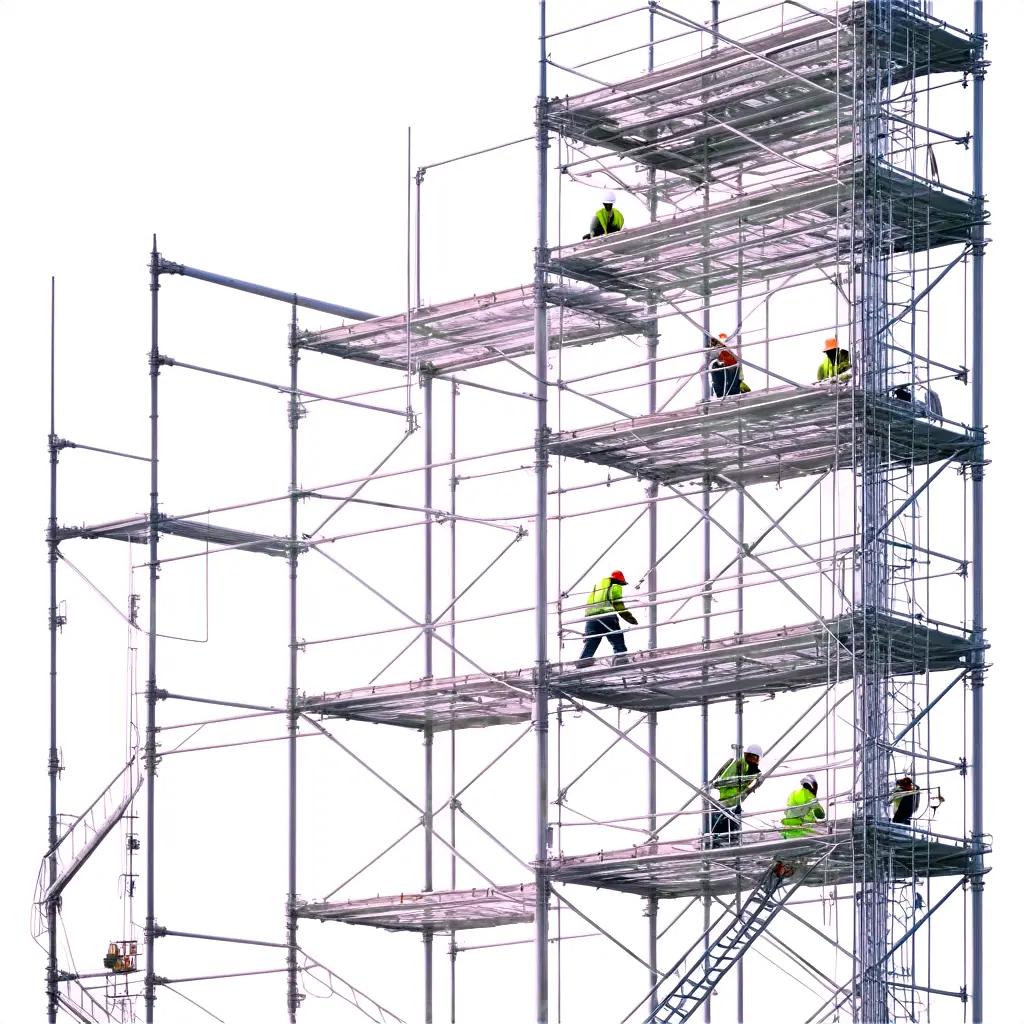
{"x":608,"y":197}
{"x":755,"y":749}
{"x":808,"y":780}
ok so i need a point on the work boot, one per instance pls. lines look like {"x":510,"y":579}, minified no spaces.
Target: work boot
{"x":620,"y":659}
{"x":584,"y":662}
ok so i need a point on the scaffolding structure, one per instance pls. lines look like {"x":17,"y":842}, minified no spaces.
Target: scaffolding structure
{"x":836,"y":528}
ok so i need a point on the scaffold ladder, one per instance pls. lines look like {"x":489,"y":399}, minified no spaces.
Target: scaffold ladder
{"x":741,"y":930}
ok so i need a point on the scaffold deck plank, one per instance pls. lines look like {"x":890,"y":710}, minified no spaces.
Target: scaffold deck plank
{"x":483,"y":329}
{"x":758,"y":101}
{"x":432,"y":911}
{"x":770,"y":435}
{"x":766,"y":663}
{"x":770,"y":662}
{"x":136,"y":531}
{"x":668,"y":870}
{"x":779,"y":229}
{"x":459,"y":702}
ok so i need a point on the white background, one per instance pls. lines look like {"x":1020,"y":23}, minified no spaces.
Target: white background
{"x":268,"y":142}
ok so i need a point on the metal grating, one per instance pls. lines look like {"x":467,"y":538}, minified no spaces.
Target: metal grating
{"x":668,"y":870}
{"x":766,"y":100}
{"x":432,"y":911}
{"x":806,"y":222}
{"x":761,"y":664}
{"x":136,"y":531}
{"x":484,"y":329}
{"x":770,"y":435}
{"x":461,"y":702}
{"x":774,"y":661}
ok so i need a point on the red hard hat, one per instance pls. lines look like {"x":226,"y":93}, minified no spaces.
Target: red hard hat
{"x":617,"y":576}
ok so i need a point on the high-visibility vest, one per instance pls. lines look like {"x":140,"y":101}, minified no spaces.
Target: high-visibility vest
{"x":730,"y":794}
{"x":802,"y":808}
{"x":830,"y":369}
{"x":603,"y":597}
{"x":615,"y":217}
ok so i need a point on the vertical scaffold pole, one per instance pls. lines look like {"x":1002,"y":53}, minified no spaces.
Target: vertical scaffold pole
{"x":977,"y":520}
{"x":652,"y":571}
{"x":149,"y":995}
{"x":706,"y":529}
{"x":291,"y":920}
{"x":741,"y":506}
{"x":53,"y":760}
{"x":540,"y":700}
{"x":428,"y":671}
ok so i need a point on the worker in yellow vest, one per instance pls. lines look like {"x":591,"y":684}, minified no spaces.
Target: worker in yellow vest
{"x":604,"y":606}
{"x":607,"y":219}
{"x":802,"y":810}
{"x":735,"y":779}
{"x":836,"y":364}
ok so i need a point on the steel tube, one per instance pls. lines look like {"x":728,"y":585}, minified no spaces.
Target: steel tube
{"x":53,"y":760}
{"x":149,"y":984}
{"x":428,"y":671}
{"x":540,"y":700}
{"x":167,"y":267}
{"x":291,"y":919}
{"x":977,"y":527}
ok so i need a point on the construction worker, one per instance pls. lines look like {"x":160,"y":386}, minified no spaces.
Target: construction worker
{"x":734,"y":781}
{"x":607,"y":219}
{"x":836,"y":364}
{"x":726,"y":372}
{"x":604,"y":606}
{"x":802,"y":809}
{"x":904,"y":801}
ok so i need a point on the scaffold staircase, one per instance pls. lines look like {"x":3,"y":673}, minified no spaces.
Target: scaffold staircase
{"x":742,"y":928}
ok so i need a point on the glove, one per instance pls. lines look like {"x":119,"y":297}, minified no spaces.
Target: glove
{"x":629,"y":617}
{"x":586,"y":238}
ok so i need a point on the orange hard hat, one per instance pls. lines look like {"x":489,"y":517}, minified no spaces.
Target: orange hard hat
{"x":830,"y":344}
{"x":617,"y":576}
{"x":723,"y":335}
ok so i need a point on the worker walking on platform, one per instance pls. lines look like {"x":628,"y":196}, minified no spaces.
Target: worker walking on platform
{"x":734,"y":781}
{"x":604,"y":606}
{"x":836,"y":364}
{"x":607,"y":219}
{"x":904,"y":801}
{"x":725,"y":370}
{"x":802,"y":810}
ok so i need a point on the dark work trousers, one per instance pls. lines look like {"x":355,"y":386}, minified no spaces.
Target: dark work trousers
{"x":602,"y":625}
{"x":725,"y":380}
{"x":725,"y":830}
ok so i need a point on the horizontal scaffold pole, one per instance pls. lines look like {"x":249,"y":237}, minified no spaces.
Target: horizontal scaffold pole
{"x":167,"y":267}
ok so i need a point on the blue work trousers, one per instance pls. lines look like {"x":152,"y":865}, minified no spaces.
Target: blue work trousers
{"x":599,"y":626}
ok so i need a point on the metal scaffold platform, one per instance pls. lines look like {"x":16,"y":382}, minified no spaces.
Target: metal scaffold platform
{"x":136,"y":531}
{"x":432,"y":911}
{"x":669,"y":870}
{"x":767,"y":100}
{"x":770,"y":232}
{"x":766,"y":436}
{"x":756,"y":664}
{"x":481,"y":330}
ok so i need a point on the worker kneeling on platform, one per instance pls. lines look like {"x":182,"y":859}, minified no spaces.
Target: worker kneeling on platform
{"x":725,"y":370}
{"x":802,"y":810}
{"x":735,"y":780}
{"x":607,"y":219}
{"x":604,"y":606}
